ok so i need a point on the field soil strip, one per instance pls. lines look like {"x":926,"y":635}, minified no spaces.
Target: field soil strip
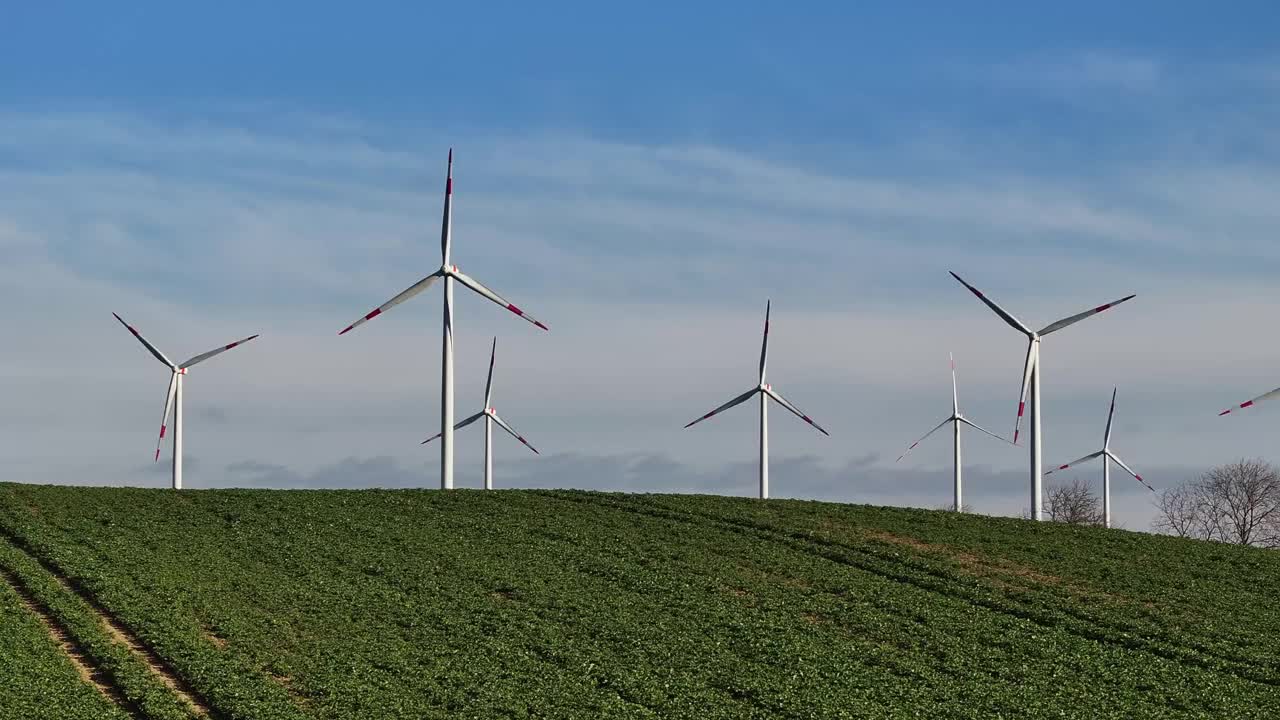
{"x":88,"y":671}
{"x":120,"y":634}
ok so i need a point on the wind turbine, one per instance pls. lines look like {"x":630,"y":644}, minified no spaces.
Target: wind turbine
{"x":957,"y":419}
{"x":1251,"y":403}
{"x":1107,"y":456}
{"x":765,"y":391}
{"x":449,"y":273}
{"x":173,"y":398}
{"x":1031,"y":381}
{"x":490,"y":417}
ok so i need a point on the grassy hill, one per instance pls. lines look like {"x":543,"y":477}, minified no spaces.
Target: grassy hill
{"x":122,"y":603}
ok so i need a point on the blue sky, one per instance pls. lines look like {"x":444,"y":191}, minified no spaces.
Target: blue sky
{"x":641,"y":180}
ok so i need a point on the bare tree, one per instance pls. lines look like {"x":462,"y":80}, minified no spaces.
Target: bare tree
{"x":1179,"y":511}
{"x":1075,"y":504}
{"x":1246,"y":501}
{"x":1235,"y":503}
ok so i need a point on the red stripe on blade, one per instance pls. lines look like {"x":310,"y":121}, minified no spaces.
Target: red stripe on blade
{"x":1021,"y":406}
{"x":162,"y":431}
{"x":515,"y":310}
{"x":1224,"y":412}
{"x":373,"y":314}
{"x":1100,"y":308}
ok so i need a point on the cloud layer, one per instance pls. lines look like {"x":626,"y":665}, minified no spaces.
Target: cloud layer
{"x":651,"y":263}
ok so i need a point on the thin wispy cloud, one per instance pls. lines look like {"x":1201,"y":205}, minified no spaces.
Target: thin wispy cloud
{"x":651,"y":262}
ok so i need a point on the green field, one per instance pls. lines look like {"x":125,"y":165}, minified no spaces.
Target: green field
{"x":558,"y":604}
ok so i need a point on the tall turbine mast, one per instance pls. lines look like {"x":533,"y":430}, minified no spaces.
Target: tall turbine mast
{"x":956,"y":420}
{"x":1031,"y":382}
{"x":766,"y":392}
{"x":173,"y":397}
{"x":449,"y":272}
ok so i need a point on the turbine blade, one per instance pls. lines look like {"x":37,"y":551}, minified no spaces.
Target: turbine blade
{"x":764,"y":346}
{"x":794,"y":410}
{"x":922,"y":438}
{"x":1014,"y":322}
{"x":205,"y":356}
{"x":488,"y":384}
{"x":1064,"y":322}
{"x":168,"y":405}
{"x":446,"y":223}
{"x":1033,"y":356}
{"x":741,"y":398}
{"x":412,"y":290}
{"x":1251,"y":403}
{"x":979,"y":428}
{"x":1106,"y":439}
{"x":486,"y":292}
{"x":1090,"y":456}
{"x":459,"y":426}
{"x":1129,"y":470}
{"x":503,"y":424}
{"x":152,"y":348}
{"x":955,"y":394}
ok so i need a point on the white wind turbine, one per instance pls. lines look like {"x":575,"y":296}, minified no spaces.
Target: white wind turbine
{"x":173,"y":398}
{"x":449,"y":273}
{"x":957,"y":419}
{"x":490,"y":417}
{"x":1107,"y":457}
{"x":1031,"y":382}
{"x":765,"y":391}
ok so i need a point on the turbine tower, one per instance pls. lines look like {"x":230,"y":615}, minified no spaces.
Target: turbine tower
{"x":957,"y":419}
{"x":173,"y":397}
{"x":1107,"y":457}
{"x":450,"y":273}
{"x":765,"y":391}
{"x":490,"y":417}
{"x":1031,"y":382}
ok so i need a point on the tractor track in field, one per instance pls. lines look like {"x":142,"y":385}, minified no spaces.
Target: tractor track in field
{"x":117,"y":631}
{"x":88,"y":670}
{"x":936,"y":581}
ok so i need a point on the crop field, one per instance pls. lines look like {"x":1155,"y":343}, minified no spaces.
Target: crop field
{"x":121,"y":603}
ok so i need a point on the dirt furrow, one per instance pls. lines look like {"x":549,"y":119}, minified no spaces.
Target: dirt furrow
{"x":120,"y":634}
{"x":85,"y":667}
